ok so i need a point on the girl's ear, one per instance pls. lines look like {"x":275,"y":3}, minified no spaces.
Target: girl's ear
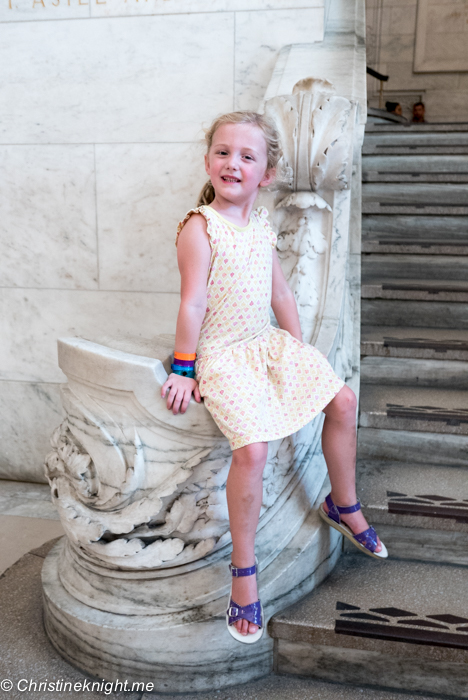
{"x":268,"y":177}
{"x":207,"y":164}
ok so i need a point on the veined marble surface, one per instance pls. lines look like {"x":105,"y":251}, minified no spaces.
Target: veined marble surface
{"x":27,"y":500}
{"x":114,"y":80}
{"x":34,"y":318}
{"x":48,"y":223}
{"x":259,"y":38}
{"x":28,"y":411}
{"x":143,"y":190}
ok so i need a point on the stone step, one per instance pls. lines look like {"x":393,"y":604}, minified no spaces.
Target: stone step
{"x":422,"y":409}
{"x":421,"y":343}
{"x":448,"y":271}
{"x":415,"y":168}
{"x":401,"y":142}
{"x":419,"y":511}
{"x":389,"y":244}
{"x":422,"y":290}
{"x":427,"y":235}
{"x":406,"y":198}
{"x":420,"y":448}
{"x":425,"y":227}
{"x":439,"y":374}
{"x":395,"y":624}
{"x":395,"y":129}
{"x":423,"y":314}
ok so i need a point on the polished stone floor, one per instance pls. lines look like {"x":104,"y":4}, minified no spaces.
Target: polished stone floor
{"x":28,"y":527}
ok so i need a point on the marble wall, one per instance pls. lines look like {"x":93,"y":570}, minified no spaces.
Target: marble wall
{"x":101,"y":116}
{"x":422,"y":46}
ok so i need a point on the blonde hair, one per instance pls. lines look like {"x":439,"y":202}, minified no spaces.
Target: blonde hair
{"x":270,"y":134}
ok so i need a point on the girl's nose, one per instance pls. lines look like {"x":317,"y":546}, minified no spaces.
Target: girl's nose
{"x":232,"y":163}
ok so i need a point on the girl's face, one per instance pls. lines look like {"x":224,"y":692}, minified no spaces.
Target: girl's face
{"x":237,"y":162}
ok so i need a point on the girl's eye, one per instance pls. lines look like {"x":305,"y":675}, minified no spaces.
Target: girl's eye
{"x":248,"y":157}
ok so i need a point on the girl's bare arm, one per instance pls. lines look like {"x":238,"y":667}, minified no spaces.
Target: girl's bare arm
{"x":193,"y":257}
{"x":283,"y":302}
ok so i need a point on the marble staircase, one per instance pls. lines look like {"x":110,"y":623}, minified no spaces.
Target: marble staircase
{"x":403,"y":623}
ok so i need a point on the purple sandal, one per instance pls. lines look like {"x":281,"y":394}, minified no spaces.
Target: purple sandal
{"x":365,"y":541}
{"x":252,"y":612}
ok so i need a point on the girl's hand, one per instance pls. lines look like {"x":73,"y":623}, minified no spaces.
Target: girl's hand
{"x":180,"y":390}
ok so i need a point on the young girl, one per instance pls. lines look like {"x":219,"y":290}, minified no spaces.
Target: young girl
{"x":259,"y":383}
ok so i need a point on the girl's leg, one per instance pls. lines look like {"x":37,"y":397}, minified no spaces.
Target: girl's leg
{"x":244,"y":491}
{"x":339,"y":449}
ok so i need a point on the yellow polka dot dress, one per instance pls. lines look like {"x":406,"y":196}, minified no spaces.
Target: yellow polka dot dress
{"x":258,"y":382}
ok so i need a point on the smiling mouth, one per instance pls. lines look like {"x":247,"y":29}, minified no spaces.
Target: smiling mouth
{"x":225,"y":178}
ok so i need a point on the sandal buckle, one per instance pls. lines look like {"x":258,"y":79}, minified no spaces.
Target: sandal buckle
{"x":233,"y":612}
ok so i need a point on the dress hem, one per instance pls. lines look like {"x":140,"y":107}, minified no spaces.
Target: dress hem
{"x":280,"y":435}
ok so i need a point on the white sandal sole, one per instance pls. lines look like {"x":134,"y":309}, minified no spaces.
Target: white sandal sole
{"x":248,"y":638}
{"x":383,"y":554}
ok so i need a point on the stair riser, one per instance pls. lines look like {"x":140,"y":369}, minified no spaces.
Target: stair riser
{"x":423,"y":209}
{"x":400,"y":150}
{"x":379,"y":667}
{"x":377,"y":268}
{"x":378,"y":247}
{"x":379,"y":176}
{"x":378,"y":349}
{"x":420,"y":544}
{"x":408,"y":446}
{"x":383,"y":312}
{"x":414,"y":226}
{"x":373,"y":291}
{"x":427,"y":373}
{"x":381,"y":421}
{"x":394,"y":130}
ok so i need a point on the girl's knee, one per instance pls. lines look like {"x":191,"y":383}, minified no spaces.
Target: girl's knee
{"x":343,"y":407}
{"x":252,"y":456}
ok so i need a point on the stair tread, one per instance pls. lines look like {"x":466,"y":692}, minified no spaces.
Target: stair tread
{"x":428,"y":409}
{"x":409,"y":342}
{"x":374,"y":244}
{"x":392,"y":493}
{"x":404,"y":283}
{"x":376,"y":398}
{"x":395,"y":591}
{"x":436,"y":335}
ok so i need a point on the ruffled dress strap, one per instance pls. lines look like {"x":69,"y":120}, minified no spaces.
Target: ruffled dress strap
{"x":205,"y":212}
{"x":262,"y":216}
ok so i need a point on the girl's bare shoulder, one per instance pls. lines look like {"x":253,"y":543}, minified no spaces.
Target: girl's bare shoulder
{"x":193,"y":224}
